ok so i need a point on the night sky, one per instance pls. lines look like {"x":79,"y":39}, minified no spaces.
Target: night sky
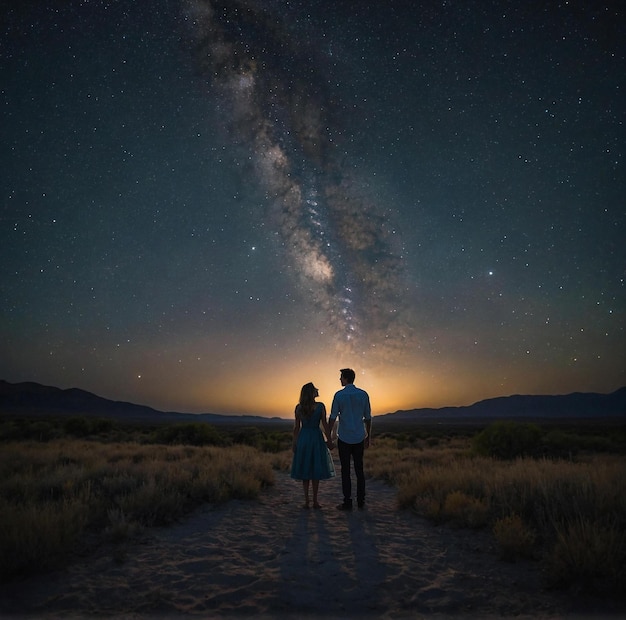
{"x":207,"y":204}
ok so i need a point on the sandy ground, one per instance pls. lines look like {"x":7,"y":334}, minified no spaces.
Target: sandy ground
{"x":271,"y":558}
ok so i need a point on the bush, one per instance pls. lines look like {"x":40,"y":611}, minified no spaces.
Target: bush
{"x":19,"y":430}
{"x":192,"y":434}
{"x":464,"y":511}
{"x":589,"y":554}
{"x":558,"y":443}
{"x":77,"y":427}
{"x":515,"y":539}
{"x":508,"y":440}
{"x":248,"y":436}
{"x":276,"y":442}
{"x":37,"y":536}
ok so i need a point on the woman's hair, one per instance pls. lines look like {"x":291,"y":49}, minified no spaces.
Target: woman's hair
{"x":308,"y":393}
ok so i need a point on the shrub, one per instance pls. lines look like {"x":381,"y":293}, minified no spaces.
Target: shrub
{"x":192,"y":434}
{"x":508,"y":440}
{"x":248,"y":436}
{"x":589,"y":554}
{"x":37,"y":536}
{"x":515,"y":539}
{"x":77,"y":426}
{"x":276,"y":442}
{"x":20,"y":430}
{"x":120,"y":529}
{"x":558,"y":443}
{"x":464,"y":511}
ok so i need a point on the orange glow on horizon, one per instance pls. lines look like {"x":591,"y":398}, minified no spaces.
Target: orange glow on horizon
{"x":275,"y":389}
{"x":270,"y":387}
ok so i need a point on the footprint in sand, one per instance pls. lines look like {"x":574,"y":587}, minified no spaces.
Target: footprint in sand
{"x":270,"y":557}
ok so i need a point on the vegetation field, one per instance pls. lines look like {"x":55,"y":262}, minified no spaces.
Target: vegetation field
{"x":553,"y":493}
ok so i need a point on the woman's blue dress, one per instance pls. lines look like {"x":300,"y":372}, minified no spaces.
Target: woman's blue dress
{"x":311,"y":458}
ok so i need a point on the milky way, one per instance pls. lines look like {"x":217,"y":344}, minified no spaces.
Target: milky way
{"x":208,"y":203}
{"x":277,"y":103}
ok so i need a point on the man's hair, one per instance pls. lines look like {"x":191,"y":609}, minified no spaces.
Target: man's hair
{"x":348,"y":374}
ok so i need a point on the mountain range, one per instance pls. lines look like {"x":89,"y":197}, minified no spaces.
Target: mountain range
{"x":30,"y":398}
{"x":35,"y":399}
{"x":578,"y":405}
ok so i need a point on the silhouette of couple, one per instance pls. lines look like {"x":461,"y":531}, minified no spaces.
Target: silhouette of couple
{"x":312,"y":460}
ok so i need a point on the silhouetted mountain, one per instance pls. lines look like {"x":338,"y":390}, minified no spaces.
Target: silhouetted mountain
{"x":576,"y":406}
{"x":35,"y":399}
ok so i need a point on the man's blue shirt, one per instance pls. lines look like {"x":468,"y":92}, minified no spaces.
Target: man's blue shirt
{"x":352,"y":406}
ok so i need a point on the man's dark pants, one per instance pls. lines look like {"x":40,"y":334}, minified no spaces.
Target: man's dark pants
{"x":354,"y":451}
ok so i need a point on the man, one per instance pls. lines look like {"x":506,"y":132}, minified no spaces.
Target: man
{"x":352,"y":406}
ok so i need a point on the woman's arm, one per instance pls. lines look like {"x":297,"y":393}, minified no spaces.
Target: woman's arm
{"x":326,"y":427}
{"x":296,"y":430}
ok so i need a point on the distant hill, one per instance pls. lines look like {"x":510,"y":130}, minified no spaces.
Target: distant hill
{"x":574,"y":406}
{"x":35,"y":399}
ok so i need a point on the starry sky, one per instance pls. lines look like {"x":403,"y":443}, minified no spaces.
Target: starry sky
{"x":208,"y":203}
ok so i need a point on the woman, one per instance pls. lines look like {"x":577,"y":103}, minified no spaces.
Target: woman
{"x":311,"y":459}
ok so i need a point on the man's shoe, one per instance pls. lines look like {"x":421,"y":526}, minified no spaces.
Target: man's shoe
{"x":361,"y":505}
{"x":345,"y":506}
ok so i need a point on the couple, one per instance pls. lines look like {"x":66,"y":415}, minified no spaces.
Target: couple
{"x":312,"y":461}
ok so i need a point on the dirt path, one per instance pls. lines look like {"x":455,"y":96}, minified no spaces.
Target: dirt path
{"x":272,"y":558}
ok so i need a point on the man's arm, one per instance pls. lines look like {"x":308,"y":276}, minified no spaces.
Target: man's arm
{"x":334,"y":408}
{"x":334,"y":412}
{"x":367,"y":417}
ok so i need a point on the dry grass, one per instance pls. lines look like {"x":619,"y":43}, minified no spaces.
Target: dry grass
{"x":515,"y":538}
{"x":570,"y":514}
{"x":53,"y":494}
{"x":589,"y":553}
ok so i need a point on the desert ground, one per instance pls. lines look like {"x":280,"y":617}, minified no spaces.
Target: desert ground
{"x":272,"y":558}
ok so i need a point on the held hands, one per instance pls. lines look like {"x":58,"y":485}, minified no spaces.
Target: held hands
{"x":330,"y":444}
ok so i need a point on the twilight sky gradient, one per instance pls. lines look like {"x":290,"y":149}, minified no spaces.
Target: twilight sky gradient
{"x":207,"y":204}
